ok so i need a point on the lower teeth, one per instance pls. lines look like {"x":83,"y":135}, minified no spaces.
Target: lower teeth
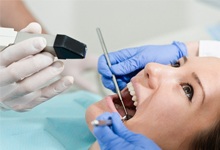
{"x":117,"y":106}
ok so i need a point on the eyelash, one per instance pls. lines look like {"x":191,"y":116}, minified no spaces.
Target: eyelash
{"x":185,"y":86}
{"x":188,"y":89}
{"x":176,"y":64}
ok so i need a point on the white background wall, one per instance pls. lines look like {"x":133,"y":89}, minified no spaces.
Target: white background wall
{"x":124,"y":23}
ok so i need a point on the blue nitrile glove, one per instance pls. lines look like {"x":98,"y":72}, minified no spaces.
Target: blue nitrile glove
{"x":117,"y":136}
{"x":128,"y":62}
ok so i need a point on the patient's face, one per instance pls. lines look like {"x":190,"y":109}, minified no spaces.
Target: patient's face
{"x":172,"y":103}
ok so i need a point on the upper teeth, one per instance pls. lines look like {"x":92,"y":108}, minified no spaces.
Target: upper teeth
{"x":132,"y":92}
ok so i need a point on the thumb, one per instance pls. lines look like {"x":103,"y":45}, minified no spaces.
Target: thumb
{"x":131,"y":137}
{"x":118,"y":126}
{"x":109,"y":140}
{"x":104,"y":134}
{"x":33,"y":28}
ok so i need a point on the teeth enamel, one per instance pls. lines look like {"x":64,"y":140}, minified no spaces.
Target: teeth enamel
{"x":134,"y":98}
{"x":129,"y":84}
{"x":135,"y":103}
{"x":130,"y":87}
{"x":117,"y":106}
{"x":132,"y":93}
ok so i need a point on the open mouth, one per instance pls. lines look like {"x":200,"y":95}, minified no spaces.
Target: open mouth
{"x":128,"y":102}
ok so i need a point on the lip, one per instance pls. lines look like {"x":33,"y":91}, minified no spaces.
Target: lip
{"x":114,"y":104}
{"x":138,"y":87}
{"x":133,"y":82}
{"x":110,"y":104}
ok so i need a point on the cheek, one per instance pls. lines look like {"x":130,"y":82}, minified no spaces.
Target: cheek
{"x":163,"y":111}
{"x":94,"y":111}
{"x":164,"y":108}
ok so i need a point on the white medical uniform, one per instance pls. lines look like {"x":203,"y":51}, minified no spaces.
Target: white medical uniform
{"x":209,"y":48}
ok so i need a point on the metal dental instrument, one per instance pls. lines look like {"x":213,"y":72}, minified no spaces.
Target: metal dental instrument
{"x":101,"y":122}
{"x":62,"y":46}
{"x":126,"y":117}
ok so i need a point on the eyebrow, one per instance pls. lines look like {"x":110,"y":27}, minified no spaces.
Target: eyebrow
{"x":195,"y":76}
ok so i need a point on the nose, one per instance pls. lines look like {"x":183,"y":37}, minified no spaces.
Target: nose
{"x":156,"y":73}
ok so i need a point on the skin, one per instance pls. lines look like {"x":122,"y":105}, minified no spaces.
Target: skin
{"x":164,"y":112}
{"x":15,"y":14}
{"x":21,"y":16}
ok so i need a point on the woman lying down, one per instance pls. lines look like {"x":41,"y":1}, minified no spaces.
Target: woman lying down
{"x":177,"y":106}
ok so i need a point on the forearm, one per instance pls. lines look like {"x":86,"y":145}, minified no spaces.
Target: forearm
{"x":14,"y":14}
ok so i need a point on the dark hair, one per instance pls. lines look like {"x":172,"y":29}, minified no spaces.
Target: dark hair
{"x":207,"y":140}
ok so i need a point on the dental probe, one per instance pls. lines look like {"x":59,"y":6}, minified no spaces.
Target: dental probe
{"x":62,"y":46}
{"x":126,"y":117}
{"x":101,"y":122}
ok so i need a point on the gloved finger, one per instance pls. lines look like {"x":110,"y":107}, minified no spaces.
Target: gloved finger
{"x":103,"y":67}
{"x":20,"y":104}
{"x":108,"y":83}
{"x":39,"y":79}
{"x":115,"y":58}
{"x":121,"y":83}
{"x":142,"y":141}
{"x":107,"y":138}
{"x":35,"y":98}
{"x":136,"y":62}
{"x":82,"y":82}
{"x":104,"y":133}
{"x":6,"y":91}
{"x":104,"y":116}
{"x":119,"y":128}
{"x":137,"y":139}
{"x":122,"y":55}
{"x":21,"y":50}
{"x":36,"y":81}
{"x":50,"y":91}
{"x":57,"y":87}
{"x":33,"y":27}
{"x":110,"y":141}
{"x":26,"y":67}
{"x":80,"y":68}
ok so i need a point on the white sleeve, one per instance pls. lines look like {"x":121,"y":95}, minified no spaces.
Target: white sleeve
{"x":209,"y":48}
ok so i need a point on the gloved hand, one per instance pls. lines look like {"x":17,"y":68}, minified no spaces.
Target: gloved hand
{"x":25,"y":72}
{"x":82,"y":67}
{"x":117,"y":136}
{"x":128,"y":62}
